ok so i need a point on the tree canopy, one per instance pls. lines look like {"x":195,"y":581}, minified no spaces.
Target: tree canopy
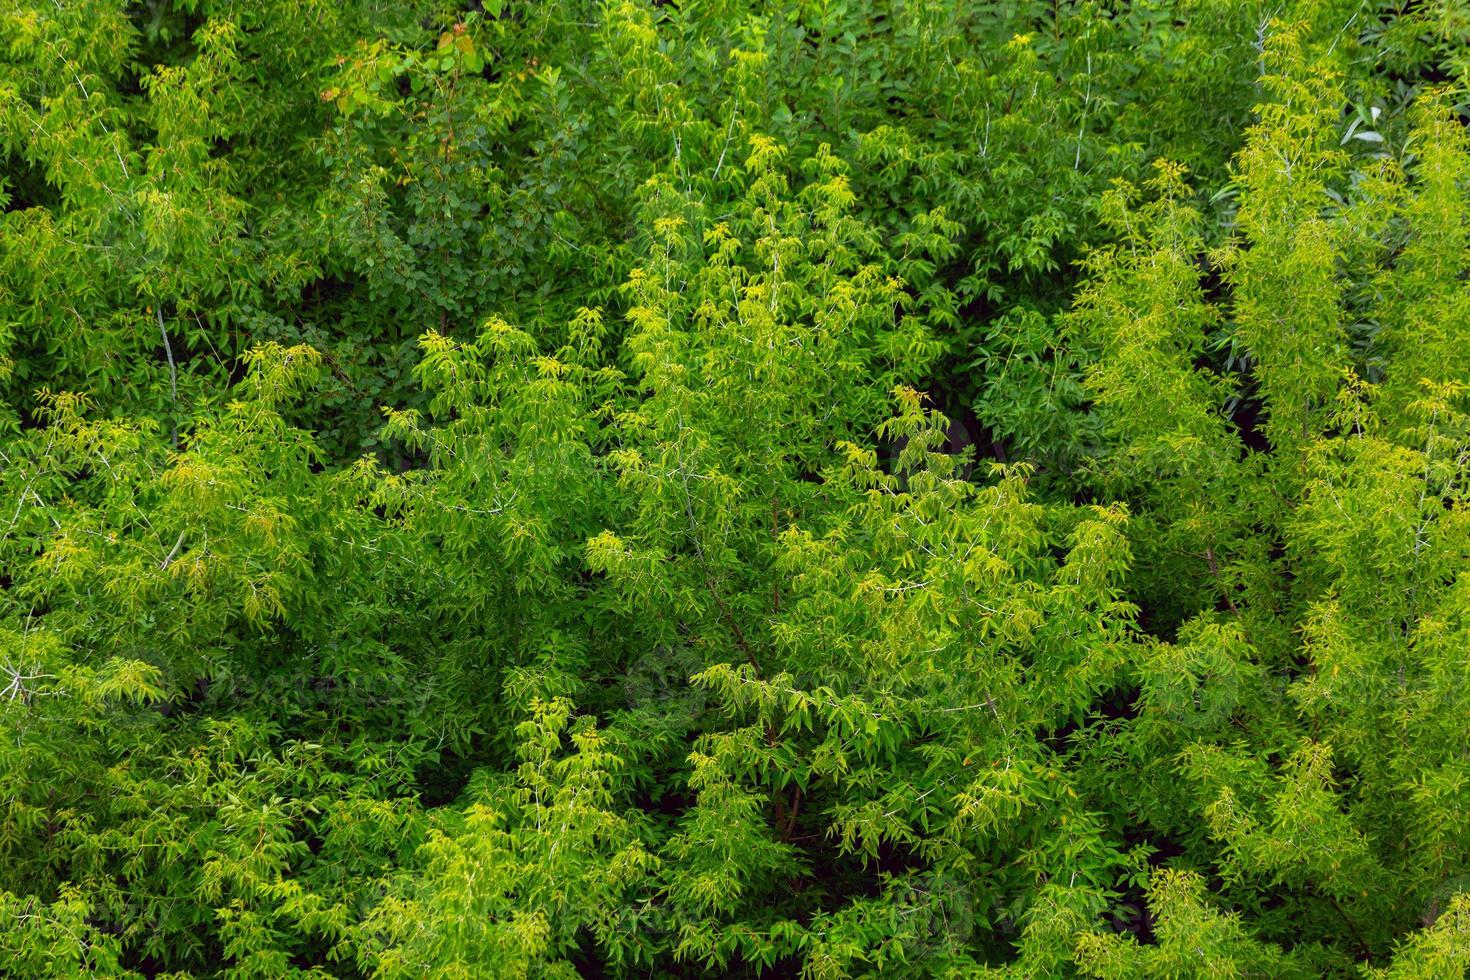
{"x":710,"y":488}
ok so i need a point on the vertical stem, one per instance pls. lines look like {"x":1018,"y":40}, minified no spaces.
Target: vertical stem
{"x":173,"y":377}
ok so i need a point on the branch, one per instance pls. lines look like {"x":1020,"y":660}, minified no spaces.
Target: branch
{"x":1215,"y":571}
{"x":173,"y":377}
{"x":734,"y":626}
{"x":168,"y":559}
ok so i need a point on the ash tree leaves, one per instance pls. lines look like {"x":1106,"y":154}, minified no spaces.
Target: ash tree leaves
{"x":1299,"y":825}
{"x":809,"y":489}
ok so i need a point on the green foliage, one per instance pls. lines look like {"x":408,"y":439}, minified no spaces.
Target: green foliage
{"x":804,"y":489}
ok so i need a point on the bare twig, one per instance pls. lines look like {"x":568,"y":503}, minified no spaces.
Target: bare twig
{"x":173,"y":377}
{"x":173,"y":552}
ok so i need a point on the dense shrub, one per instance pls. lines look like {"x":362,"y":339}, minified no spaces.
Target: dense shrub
{"x":716,"y":488}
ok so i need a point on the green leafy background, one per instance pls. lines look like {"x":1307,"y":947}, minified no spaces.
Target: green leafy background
{"x":713,"y":488}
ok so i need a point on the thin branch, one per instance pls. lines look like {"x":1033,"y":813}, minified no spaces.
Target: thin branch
{"x":1215,"y":572}
{"x":734,"y":625}
{"x":173,"y":552}
{"x":173,"y":377}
